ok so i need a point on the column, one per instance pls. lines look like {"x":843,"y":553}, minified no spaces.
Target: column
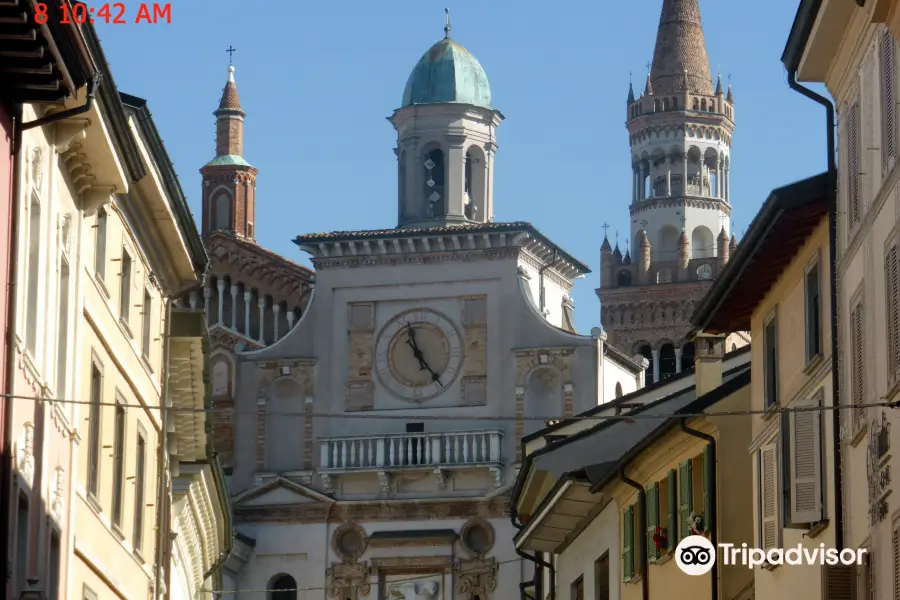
{"x":455,"y":181}
{"x":678,"y":360}
{"x":262,"y":320}
{"x":728,"y":184}
{"x":668,"y":177}
{"x":634,"y":185}
{"x":248,"y":296}
{"x":221,"y":285}
{"x":277,"y":310}
{"x":234,"y":306}
{"x":642,"y":187}
{"x":207,"y":294}
{"x":655,"y":354}
{"x":719,"y":178}
{"x":685,"y":181}
{"x":290,"y":319}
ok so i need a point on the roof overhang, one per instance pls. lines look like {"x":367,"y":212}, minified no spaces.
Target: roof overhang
{"x":815,"y":38}
{"x":781,"y":227}
{"x":187,"y":391}
{"x":561,"y":517}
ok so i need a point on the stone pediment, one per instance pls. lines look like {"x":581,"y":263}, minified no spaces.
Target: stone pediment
{"x":279,"y":492}
{"x":223,"y":337}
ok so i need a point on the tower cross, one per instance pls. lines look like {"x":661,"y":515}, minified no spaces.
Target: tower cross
{"x":230,"y":50}
{"x":617,"y":238}
{"x":605,"y":226}
{"x":648,"y":65}
{"x":447,"y":23}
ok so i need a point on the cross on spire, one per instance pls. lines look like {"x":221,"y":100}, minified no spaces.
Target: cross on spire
{"x":605,"y":226}
{"x":230,"y":50}
{"x":617,"y":238}
{"x":447,"y":23}
{"x":649,"y":64}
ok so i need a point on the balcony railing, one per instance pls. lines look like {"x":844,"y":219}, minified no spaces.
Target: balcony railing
{"x":410,"y":450}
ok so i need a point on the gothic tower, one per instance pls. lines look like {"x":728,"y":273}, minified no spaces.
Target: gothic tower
{"x":229,"y":181}
{"x":446,"y":140}
{"x":680,"y":130}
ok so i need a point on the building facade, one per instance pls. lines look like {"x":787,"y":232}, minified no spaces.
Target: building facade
{"x":777,"y":287}
{"x":680,"y":129}
{"x":382,"y":421}
{"x":860,"y":73}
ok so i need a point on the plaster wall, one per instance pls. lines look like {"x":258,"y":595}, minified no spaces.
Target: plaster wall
{"x":579,"y":558}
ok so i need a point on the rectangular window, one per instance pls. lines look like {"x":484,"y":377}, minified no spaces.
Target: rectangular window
{"x":888,"y":103}
{"x":892,"y":308}
{"x":32,"y":281}
{"x":125,"y":288}
{"x":22,"y":538}
{"x":840,"y":582}
{"x":671,"y":521}
{"x":146,"y":314}
{"x":94,"y":447}
{"x":651,"y":495}
{"x":767,"y":500}
{"x":577,"y":592}
{"x":854,"y":179}
{"x":139,"y":473}
{"x":685,"y":498}
{"x":89,"y":594}
{"x":857,"y":364}
{"x":601,"y":577}
{"x":813,"y":314}
{"x":866,"y":581}
{"x":805,"y":461}
{"x":118,"y":465}
{"x":53,"y":571}
{"x":100,"y":246}
{"x":629,"y":548}
{"x":770,"y":361}
{"x":62,"y":333}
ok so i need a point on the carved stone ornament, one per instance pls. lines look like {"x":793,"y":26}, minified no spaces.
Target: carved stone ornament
{"x":65,"y":233}
{"x":477,"y":537}
{"x":25,"y":458}
{"x":37,"y":168}
{"x":348,"y":581}
{"x":414,"y":590}
{"x":57,"y":497}
{"x":349,"y":542}
{"x":476,"y":577}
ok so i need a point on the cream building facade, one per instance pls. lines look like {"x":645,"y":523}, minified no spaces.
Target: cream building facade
{"x":852,"y":49}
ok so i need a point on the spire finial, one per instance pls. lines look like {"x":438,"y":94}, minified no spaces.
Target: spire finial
{"x":230,"y":50}
{"x":617,"y":238}
{"x":447,"y":23}
{"x":605,"y":226}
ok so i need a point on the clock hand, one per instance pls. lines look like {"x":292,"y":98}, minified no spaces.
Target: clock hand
{"x":417,"y":353}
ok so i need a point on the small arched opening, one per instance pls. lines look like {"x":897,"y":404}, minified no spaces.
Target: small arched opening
{"x":665,"y":104}
{"x":674,"y":103}
{"x":703,"y":104}
{"x":664,"y":275}
{"x":222,"y":212}
{"x":283,"y":587}
{"x":702,"y":242}
{"x":667,"y":364}
{"x":704,"y":272}
{"x":623,"y":278}
{"x":656,"y":106}
{"x":401,"y":181}
{"x":695,"y":104}
{"x":475,"y":198}
{"x":687,"y":356}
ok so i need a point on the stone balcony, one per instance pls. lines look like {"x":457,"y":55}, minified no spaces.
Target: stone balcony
{"x":390,"y":453}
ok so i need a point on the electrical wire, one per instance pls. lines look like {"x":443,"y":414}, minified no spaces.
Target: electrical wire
{"x":408,"y":417}
{"x":319,"y":589}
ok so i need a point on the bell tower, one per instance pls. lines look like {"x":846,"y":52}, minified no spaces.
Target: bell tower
{"x":229,"y":181}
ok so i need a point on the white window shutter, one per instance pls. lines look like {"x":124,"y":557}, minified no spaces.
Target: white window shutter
{"x":768,"y":492}
{"x":806,"y":461}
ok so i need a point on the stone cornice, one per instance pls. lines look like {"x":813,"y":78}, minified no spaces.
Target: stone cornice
{"x":679,"y":202}
{"x":648,"y":294}
{"x":376,"y":510}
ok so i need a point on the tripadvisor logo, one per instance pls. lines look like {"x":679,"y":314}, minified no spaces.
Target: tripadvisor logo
{"x":696,"y":555}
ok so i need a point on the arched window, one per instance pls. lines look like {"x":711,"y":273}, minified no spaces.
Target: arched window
{"x":687,"y":356}
{"x":222,"y":212}
{"x":624,"y":278}
{"x":434,"y":184}
{"x":664,"y":275}
{"x":666,"y":361}
{"x":695,"y":104}
{"x":665,"y":104}
{"x":648,"y":354}
{"x":283,"y":587}
{"x":656,"y":106}
{"x":703,"y":104}
{"x":618,"y":390}
{"x":674,"y":103}
{"x":733,"y":347}
{"x":712,"y":106}
{"x":475,"y":197}
{"x":704,"y":272}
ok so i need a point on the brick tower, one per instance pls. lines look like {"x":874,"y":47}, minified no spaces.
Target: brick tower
{"x":229,"y":181}
{"x":680,"y":131}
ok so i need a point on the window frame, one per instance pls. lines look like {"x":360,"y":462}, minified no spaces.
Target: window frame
{"x":140,"y":473}
{"x":771,"y":364}
{"x":813,"y":354}
{"x":32,"y":273}
{"x":774,"y":445}
{"x":101,"y":243}
{"x":147,"y":326}
{"x":857,"y":415}
{"x":892,"y":312}
{"x":95,"y":433}
{"x":120,"y":437}
{"x":125,"y":285}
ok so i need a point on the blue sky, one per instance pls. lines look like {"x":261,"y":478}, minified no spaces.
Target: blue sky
{"x":317,"y":80}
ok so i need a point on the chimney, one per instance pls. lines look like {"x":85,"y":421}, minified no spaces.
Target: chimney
{"x":709,"y":351}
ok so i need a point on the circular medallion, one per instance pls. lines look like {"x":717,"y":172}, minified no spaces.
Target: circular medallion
{"x":418,"y":354}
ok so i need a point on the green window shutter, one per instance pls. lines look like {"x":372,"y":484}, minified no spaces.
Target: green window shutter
{"x":652,"y":496}
{"x":628,"y":544}
{"x":685,"y":500}
{"x":672,"y":525}
{"x":709,"y":469}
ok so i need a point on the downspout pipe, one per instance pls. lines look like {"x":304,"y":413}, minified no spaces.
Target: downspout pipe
{"x":162,"y":527}
{"x":833,"y":298}
{"x":92,"y":86}
{"x":540,"y":562}
{"x":642,"y":531}
{"x":712,"y":522}
{"x":543,"y":294}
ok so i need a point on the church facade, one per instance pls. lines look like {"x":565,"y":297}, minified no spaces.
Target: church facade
{"x":680,"y":130}
{"x":372,"y":416}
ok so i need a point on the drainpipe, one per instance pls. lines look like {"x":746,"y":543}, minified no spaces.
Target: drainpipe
{"x":712,"y":523}
{"x":162,"y":527}
{"x":6,"y":408}
{"x":538,"y":563}
{"x":642,"y":530}
{"x":833,"y":292}
{"x":543,"y":294}
{"x":93,"y":84}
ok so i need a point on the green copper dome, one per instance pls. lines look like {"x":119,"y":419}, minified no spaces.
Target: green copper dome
{"x":447,"y":73}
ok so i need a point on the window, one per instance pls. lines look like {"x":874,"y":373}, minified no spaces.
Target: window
{"x":89,"y":594}
{"x":805,"y":461}
{"x":892,"y":307}
{"x":22,"y":536}
{"x":577,"y":592}
{"x":767,"y":480}
{"x":770,"y":362}
{"x":62,"y":334}
{"x":662,"y":510}
{"x":32,"y":281}
{"x":100,"y":248}
{"x":693,"y":492}
{"x":139,"y":474}
{"x":118,"y":464}
{"x":125,"y":288}
{"x":888,"y":103}
{"x":857,"y":364}
{"x":866,"y":585}
{"x":146,"y":314}
{"x":284,"y":587}
{"x":630,"y":549}
{"x":813,"y":314}
{"x":853,"y":166}
{"x":94,"y":431}
{"x":434,"y":183}
{"x":840,"y":582}
{"x":222,"y":212}
{"x":53,"y":571}
{"x":895,"y":559}
{"x":601,"y":577}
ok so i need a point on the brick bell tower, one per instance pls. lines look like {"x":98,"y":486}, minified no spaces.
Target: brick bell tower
{"x":229,"y":181}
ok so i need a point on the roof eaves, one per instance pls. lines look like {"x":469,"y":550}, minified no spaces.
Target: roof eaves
{"x":800,"y":32}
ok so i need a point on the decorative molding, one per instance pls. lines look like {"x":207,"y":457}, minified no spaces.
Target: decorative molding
{"x":476,"y":577}
{"x":25,"y":454}
{"x":391,"y":260}
{"x":360,"y":394}
{"x":401,"y":563}
{"x":477,"y":537}
{"x":348,"y":580}
{"x":349,"y":541}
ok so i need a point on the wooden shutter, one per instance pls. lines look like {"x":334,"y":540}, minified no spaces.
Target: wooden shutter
{"x":857,"y":364}
{"x":709,"y":475}
{"x":652,"y":495}
{"x":672,"y":532}
{"x":840,"y":582}
{"x":806,"y":461}
{"x":892,"y":306}
{"x":888,"y":105}
{"x":853,"y":165}
{"x":685,"y":499}
{"x":628,"y":544}
{"x":768,"y":495}
{"x":895,"y":559}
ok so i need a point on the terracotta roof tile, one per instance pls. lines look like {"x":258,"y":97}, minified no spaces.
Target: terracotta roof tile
{"x":230,"y":99}
{"x":680,"y":51}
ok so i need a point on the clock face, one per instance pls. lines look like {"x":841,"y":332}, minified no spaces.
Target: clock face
{"x":418,"y":355}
